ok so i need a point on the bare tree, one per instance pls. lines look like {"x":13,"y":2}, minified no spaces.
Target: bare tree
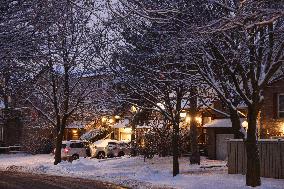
{"x":71,"y":44}
{"x":245,"y":48}
{"x":18,"y":45}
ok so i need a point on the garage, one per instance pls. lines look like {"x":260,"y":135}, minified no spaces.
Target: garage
{"x":218,"y":132}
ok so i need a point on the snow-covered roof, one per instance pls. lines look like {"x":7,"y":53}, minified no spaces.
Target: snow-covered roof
{"x":242,"y":105}
{"x":76,"y":125}
{"x":121,"y":124}
{"x":90,"y":134}
{"x":219,"y":123}
{"x":225,"y":123}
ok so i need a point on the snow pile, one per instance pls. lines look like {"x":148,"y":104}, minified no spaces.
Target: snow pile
{"x":135,"y":173}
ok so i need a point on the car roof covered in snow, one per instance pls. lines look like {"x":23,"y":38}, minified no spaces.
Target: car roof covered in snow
{"x":104,"y":143}
{"x":71,"y":141}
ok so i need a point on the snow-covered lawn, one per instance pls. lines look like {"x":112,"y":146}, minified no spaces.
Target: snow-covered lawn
{"x":135,"y":173}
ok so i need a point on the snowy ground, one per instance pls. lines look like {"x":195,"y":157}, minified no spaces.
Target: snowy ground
{"x":136,"y":173}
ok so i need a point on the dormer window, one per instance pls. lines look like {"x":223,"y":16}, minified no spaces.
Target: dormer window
{"x":281,"y":105}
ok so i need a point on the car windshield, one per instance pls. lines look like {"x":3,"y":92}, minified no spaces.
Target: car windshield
{"x":112,"y":143}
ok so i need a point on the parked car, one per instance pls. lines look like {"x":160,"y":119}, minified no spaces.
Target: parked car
{"x":109,"y":148}
{"x":120,"y":149}
{"x":74,"y":149}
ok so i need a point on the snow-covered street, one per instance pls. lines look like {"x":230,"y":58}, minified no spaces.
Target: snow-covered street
{"x":135,"y":173}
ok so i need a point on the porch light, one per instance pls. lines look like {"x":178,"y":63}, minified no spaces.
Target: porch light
{"x":182,"y":114}
{"x":245,"y":125}
{"x":74,"y":131}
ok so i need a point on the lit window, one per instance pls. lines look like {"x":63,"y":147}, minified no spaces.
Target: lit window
{"x":281,"y":105}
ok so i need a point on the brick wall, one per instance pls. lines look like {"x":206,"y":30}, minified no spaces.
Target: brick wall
{"x":271,"y":124}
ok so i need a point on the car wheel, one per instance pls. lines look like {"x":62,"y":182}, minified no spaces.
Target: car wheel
{"x":75,"y":156}
{"x":121,"y":154}
{"x":101,"y":155}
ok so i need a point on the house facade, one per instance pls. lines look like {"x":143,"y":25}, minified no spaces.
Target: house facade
{"x":270,"y":121}
{"x":272,"y":112}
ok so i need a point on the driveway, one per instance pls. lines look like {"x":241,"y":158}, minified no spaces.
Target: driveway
{"x":16,"y":180}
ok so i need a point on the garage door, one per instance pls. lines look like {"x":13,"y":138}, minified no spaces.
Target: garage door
{"x":221,"y":145}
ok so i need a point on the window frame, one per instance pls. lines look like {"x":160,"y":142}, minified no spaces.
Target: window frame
{"x":278,"y":105}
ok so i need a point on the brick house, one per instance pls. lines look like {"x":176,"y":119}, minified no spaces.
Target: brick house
{"x":272,"y":112}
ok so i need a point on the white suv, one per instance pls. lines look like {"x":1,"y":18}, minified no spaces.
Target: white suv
{"x":73,"y":148}
{"x":109,"y":148}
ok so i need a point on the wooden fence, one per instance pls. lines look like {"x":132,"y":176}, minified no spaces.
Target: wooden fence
{"x":271,"y":153}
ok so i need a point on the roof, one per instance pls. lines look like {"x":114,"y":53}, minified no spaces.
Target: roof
{"x":121,"y":124}
{"x":220,"y":123}
{"x":76,"y":125}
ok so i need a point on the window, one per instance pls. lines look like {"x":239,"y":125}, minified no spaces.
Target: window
{"x":1,"y":133}
{"x":281,"y":105}
{"x":76,"y":145}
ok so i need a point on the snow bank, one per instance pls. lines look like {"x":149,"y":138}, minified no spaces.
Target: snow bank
{"x":135,"y":173}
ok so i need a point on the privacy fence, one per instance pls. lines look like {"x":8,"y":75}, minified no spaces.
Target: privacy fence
{"x":271,"y":153}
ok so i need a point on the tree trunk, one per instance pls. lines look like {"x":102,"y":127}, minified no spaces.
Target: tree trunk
{"x":175,"y":140}
{"x":236,"y":124}
{"x":175,"y":149}
{"x":133,"y":140}
{"x":253,"y":162}
{"x":59,"y":138}
{"x":195,"y":156}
